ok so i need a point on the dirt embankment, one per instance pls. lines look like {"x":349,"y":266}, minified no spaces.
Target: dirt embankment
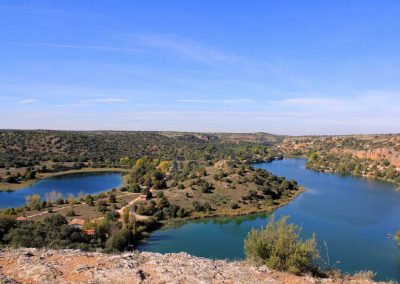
{"x":72,"y":266}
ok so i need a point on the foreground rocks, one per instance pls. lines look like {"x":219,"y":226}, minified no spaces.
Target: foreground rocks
{"x":72,"y":266}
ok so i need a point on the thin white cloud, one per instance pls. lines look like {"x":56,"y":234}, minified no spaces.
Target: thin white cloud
{"x":362,"y":102}
{"x":184,"y":47}
{"x":217,"y":101}
{"x":27,"y":101}
{"x":90,"y":47}
{"x":68,"y":93}
{"x":311,"y":101}
{"x":103,"y":100}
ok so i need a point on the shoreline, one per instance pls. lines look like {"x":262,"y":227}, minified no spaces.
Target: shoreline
{"x":169,"y":223}
{"x":43,"y":176}
{"x":350,"y":175}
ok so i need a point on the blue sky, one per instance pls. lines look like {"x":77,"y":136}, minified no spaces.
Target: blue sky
{"x":285,"y":67}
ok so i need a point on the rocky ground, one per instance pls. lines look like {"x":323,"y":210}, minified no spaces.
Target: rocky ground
{"x":72,"y":266}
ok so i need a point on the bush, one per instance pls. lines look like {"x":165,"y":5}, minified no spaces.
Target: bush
{"x":112,"y":216}
{"x":364,"y":275}
{"x":89,"y":200}
{"x":135,"y":187}
{"x":279,"y":247}
{"x":71,"y":213}
{"x":197,"y":206}
{"x":102,"y":206}
{"x":235,"y":206}
{"x":112,"y":198}
{"x":120,"y":241}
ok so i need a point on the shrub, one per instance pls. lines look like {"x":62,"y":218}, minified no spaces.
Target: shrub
{"x":120,"y":241}
{"x":112,"y":198}
{"x":365,"y":275}
{"x":197,"y":206}
{"x":235,"y":206}
{"x":102,"y":206}
{"x":89,"y":200}
{"x":112,"y":216}
{"x":71,"y":213}
{"x":135,"y":187}
{"x":279,"y":246}
{"x":207,"y":207}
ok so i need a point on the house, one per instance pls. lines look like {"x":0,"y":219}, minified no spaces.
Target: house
{"x":89,"y":232}
{"x":77,"y":223}
{"x":142,"y":197}
{"x":21,"y":218}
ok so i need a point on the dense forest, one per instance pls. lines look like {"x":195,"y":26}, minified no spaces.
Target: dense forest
{"x":28,"y":148}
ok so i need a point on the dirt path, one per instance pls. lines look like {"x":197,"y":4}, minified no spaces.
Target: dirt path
{"x":77,"y":205}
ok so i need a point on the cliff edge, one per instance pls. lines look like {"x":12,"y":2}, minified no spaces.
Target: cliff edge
{"x":73,"y":266}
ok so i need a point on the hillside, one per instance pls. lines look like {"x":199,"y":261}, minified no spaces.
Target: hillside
{"x":27,"y":148}
{"x":376,"y":156}
{"x":71,"y":266}
{"x":29,"y":155}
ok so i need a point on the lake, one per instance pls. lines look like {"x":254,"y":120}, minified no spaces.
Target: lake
{"x":352,"y":217}
{"x":89,"y":183}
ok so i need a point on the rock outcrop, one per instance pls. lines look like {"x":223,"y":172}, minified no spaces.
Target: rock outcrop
{"x":73,"y":266}
{"x":391,"y":155}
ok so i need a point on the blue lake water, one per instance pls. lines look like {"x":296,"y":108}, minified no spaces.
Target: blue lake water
{"x":352,"y":217}
{"x":89,"y":183}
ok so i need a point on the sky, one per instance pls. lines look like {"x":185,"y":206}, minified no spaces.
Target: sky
{"x":295,"y":67}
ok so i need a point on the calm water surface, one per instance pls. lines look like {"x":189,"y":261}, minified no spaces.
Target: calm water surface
{"x":353,"y":216}
{"x":89,"y":183}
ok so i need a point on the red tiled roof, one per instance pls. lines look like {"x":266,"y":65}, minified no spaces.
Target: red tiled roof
{"x":89,"y":232}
